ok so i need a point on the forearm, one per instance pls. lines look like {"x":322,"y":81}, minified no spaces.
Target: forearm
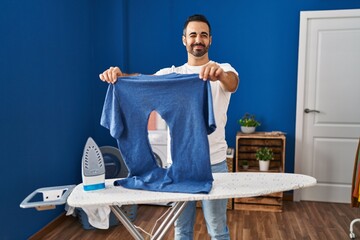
{"x":229,"y":81}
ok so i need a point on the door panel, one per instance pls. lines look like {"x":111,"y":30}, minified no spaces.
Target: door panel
{"x":329,"y":164}
{"x":329,"y":82}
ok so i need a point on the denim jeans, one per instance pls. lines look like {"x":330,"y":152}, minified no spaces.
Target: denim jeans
{"x":214,"y":213}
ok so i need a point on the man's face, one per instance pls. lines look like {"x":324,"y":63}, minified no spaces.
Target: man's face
{"x":197,"y":38}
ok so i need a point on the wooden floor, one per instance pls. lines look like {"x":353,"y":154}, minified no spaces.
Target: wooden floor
{"x":299,"y":220}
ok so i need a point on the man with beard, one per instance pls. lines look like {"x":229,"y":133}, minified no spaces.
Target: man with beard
{"x":224,"y":81}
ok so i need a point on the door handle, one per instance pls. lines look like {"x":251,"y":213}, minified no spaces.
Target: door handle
{"x":311,"y":111}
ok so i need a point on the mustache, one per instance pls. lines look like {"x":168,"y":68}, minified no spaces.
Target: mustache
{"x":198,"y":44}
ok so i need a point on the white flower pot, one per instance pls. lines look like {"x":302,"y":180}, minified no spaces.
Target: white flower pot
{"x":264,"y":165}
{"x":247,"y":129}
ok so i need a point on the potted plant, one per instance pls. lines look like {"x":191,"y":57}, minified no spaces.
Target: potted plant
{"x":264,"y":155}
{"x":245,"y":164}
{"x":248,"y":123}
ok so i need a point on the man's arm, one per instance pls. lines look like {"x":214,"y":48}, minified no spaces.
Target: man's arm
{"x":229,"y":81}
{"x":112,"y":74}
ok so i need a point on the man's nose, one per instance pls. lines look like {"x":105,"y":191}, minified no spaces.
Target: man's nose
{"x":198,"y":38}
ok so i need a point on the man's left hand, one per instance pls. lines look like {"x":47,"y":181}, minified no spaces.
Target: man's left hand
{"x":212,"y":72}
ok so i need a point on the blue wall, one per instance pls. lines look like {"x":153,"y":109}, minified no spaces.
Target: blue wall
{"x":51,"y":53}
{"x":258,"y":38}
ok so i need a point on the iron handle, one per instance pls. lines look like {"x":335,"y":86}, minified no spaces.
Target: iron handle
{"x":311,"y":110}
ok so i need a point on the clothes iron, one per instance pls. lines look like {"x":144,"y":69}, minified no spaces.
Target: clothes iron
{"x":93,"y":167}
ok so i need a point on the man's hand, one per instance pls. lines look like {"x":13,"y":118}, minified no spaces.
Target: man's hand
{"x":214,"y":72}
{"x":110,"y":75}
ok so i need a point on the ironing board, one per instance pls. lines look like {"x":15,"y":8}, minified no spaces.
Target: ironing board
{"x":225,"y":185}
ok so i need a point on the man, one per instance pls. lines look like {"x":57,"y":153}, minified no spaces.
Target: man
{"x":224,"y":80}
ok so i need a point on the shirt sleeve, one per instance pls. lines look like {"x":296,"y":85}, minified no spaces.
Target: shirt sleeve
{"x":111,"y":113}
{"x":228,"y":68}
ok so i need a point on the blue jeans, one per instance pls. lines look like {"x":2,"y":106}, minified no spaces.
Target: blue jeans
{"x":214,"y":213}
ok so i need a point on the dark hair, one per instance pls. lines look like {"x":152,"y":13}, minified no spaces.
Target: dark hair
{"x":196,"y":18}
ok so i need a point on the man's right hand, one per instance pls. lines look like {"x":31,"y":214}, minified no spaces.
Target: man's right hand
{"x":110,"y":75}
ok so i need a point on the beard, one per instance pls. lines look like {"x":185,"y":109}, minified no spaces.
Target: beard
{"x":198,"y":52}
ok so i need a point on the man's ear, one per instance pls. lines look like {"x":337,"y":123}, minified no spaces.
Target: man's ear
{"x":184,"y":40}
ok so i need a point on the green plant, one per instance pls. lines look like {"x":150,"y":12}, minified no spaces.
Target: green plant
{"x":248,"y":120}
{"x":264,"y":154}
{"x":245,"y":163}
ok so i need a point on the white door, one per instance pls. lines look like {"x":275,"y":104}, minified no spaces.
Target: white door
{"x":328,"y":102}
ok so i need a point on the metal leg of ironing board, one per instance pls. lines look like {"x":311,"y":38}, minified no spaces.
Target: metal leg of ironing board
{"x":126,"y":222}
{"x":169,"y":220}
{"x":163,"y":228}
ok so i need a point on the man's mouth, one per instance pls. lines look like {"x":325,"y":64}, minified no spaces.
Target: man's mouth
{"x":198,"y":49}
{"x":198,"y":46}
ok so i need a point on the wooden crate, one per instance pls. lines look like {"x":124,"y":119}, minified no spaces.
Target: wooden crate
{"x":246,"y":146}
{"x":271,"y":202}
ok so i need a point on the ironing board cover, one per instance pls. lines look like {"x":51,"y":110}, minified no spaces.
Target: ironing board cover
{"x":225,"y":185}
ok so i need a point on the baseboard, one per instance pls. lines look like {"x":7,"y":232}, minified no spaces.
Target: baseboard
{"x":49,"y":227}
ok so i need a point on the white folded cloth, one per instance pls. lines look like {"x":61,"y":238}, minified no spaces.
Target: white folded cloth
{"x":98,"y":217}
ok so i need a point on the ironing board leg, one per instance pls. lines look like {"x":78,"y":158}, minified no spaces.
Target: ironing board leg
{"x":169,"y":220}
{"x":163,"y":228}
{"x":126,"y":222}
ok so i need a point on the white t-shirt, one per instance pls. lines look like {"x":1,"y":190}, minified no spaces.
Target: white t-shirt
{"x":221,"y":99}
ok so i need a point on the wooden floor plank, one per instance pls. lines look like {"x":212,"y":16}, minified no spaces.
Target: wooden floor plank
{"x":299,"y":220}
